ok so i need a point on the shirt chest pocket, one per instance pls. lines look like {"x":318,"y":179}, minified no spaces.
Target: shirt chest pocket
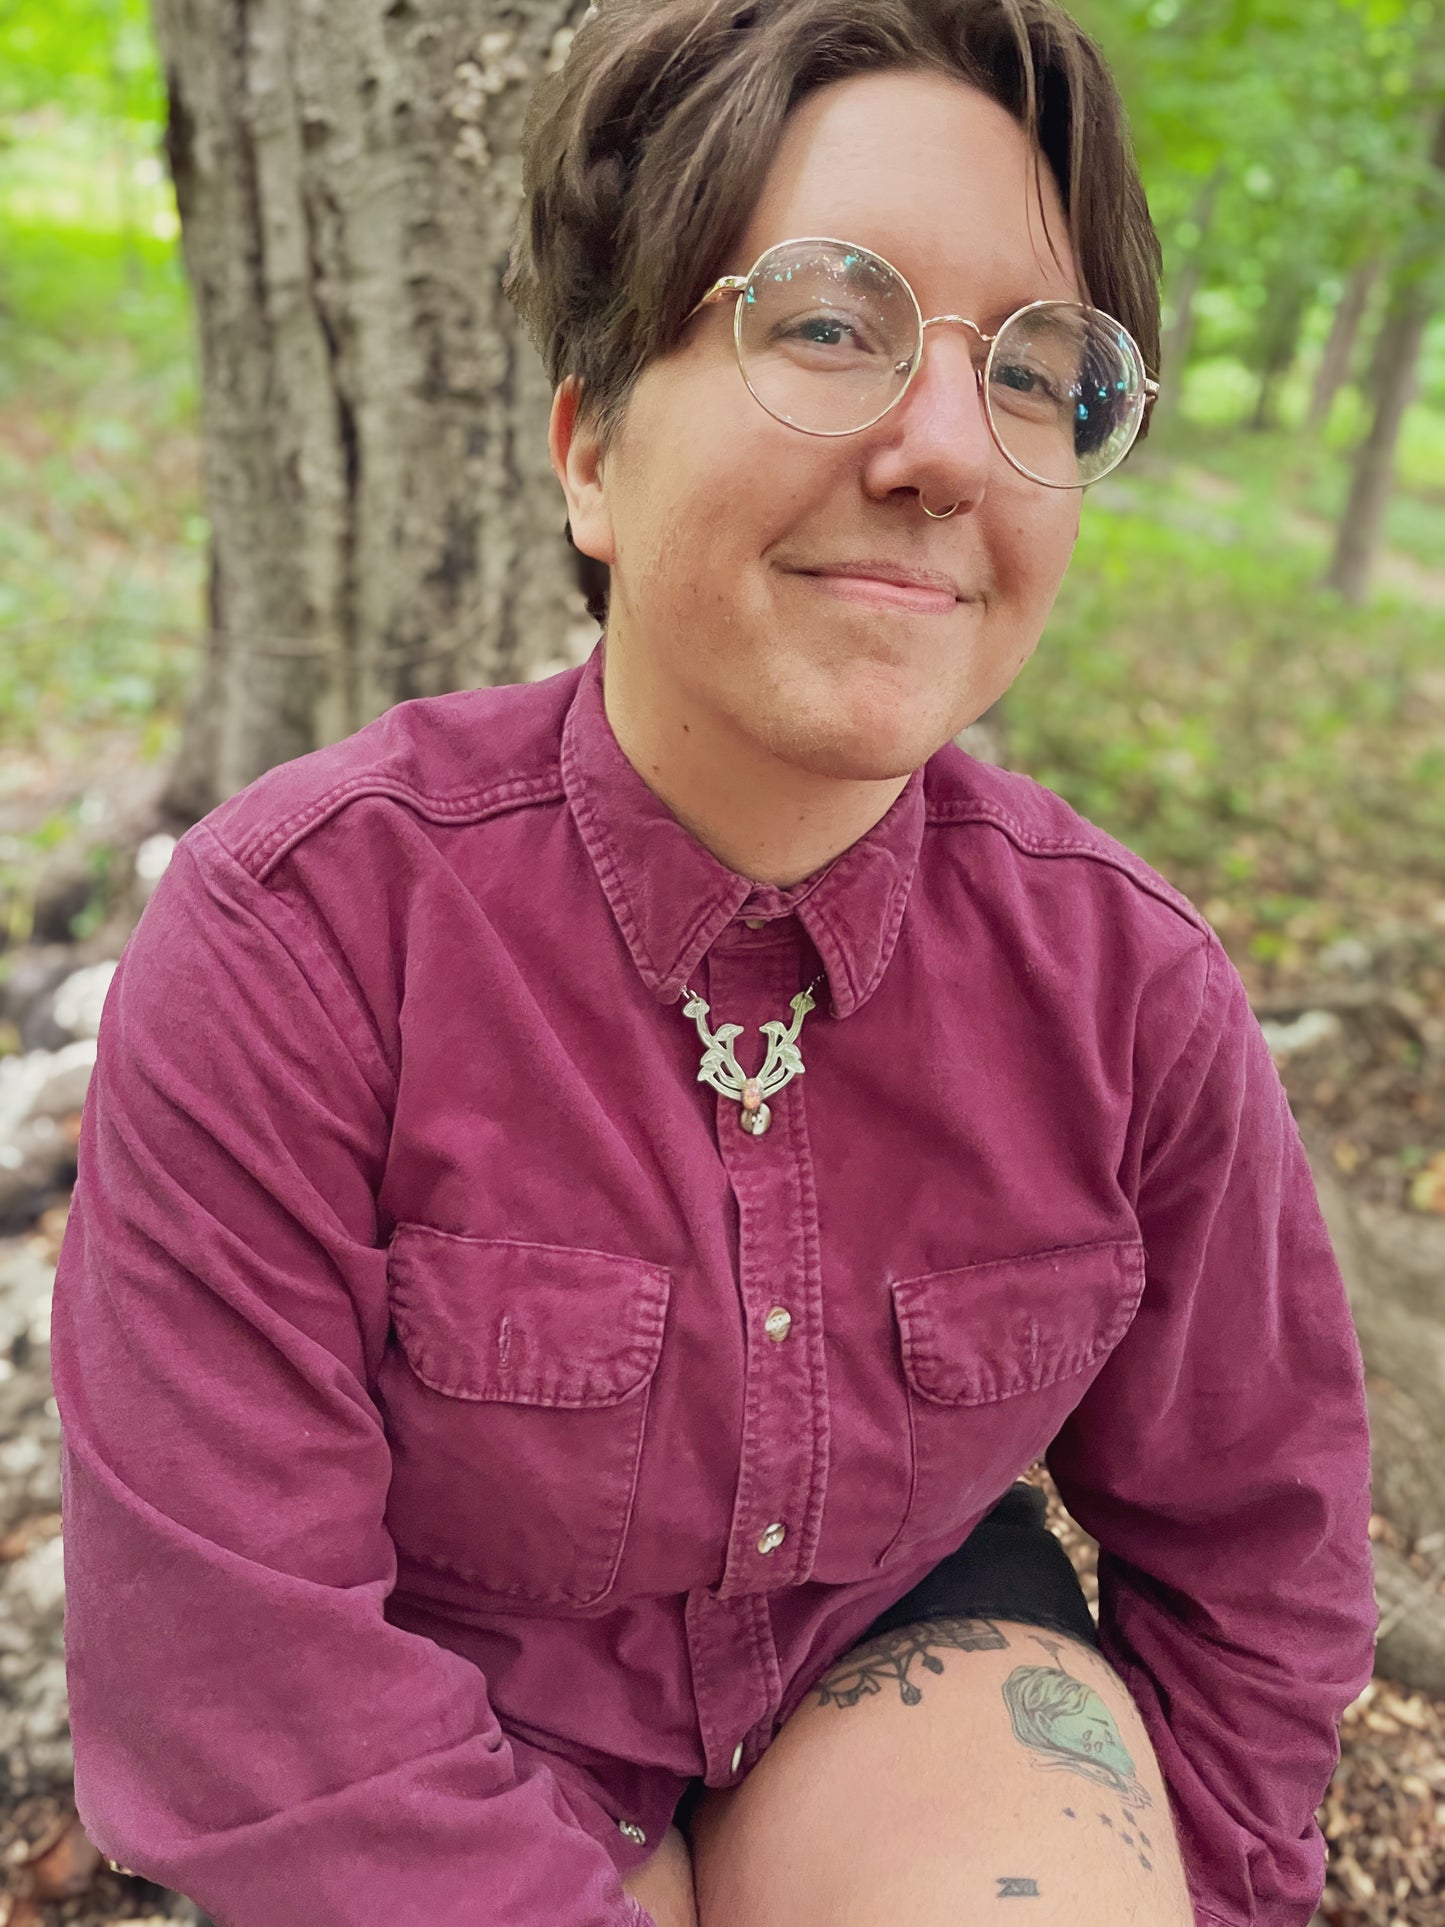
{"x":516,"y":1397}
{"x":995,"y":1356}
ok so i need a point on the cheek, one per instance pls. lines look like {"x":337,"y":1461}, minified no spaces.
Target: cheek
{"x":706,"y":484}
{"x":690,"y":517}
{"x":1034,"y":549}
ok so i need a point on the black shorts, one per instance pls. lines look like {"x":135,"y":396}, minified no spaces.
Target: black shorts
{"x":1009,"y":1567}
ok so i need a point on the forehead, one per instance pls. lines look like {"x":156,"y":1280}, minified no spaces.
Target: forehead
{"x":929,"y":172}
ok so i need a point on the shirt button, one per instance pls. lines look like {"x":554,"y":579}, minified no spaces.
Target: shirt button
{"x":633,"y":1833}
{"x":755,"y":923}
{"x":778,"y":1324}
{"x":772,"y":1538}
{"x":737,"y":1756}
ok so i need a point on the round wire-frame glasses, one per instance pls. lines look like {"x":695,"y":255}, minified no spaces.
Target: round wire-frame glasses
{"x":737,"y":286}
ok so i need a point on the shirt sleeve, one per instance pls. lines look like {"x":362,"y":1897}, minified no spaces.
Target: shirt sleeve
{"x":249,"y":1729}
{"x":1221,"y":1460}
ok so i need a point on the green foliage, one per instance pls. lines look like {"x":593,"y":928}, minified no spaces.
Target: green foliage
{"x":101,"y":536}
{"x":90,"y":58}
{"x":1313,"y":114}
{"x":1273,"y":752}
{"x":100,"y":532}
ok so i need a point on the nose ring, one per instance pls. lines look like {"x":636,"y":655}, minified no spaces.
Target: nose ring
{"x":940,"y":515}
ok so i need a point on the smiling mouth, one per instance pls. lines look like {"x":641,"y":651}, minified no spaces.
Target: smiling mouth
{"x":878,"y":594}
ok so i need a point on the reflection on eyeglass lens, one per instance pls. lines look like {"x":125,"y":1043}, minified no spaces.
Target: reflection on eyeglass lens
{"x":830,"y":336}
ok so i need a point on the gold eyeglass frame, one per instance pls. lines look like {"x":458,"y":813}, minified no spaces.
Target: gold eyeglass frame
{"x":737,"y":285}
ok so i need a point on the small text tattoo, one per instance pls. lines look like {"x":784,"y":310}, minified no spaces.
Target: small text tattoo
{"x":889,"y":1658}
{"x":1011,"y":1887}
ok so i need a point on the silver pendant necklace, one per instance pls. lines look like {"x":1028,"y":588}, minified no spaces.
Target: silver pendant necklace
{"x":721,"y":1069}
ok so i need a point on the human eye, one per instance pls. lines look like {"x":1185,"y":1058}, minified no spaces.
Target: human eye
{"x":1028,"y":380}
{"x":1027,"y":387}
{"x":831,"y":332}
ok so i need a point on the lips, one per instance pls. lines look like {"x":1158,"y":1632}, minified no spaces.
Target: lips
{"x":879,"y":592}
{"x":877,"y":570}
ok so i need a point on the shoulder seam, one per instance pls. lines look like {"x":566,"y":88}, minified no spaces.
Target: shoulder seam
{"x":977,"y":810}
{"x":366,"y":1034}
{"x":266,"y":848}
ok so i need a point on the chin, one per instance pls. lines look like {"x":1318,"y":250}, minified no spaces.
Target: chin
{"x":865,"y":753}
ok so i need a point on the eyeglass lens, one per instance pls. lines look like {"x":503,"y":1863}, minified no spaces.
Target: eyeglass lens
{"x":828,"y":335}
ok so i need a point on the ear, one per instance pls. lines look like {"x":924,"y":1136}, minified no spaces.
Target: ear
{"x":577,"y":462}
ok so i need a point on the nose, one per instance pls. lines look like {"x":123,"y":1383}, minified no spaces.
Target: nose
{"x":935,"y":442}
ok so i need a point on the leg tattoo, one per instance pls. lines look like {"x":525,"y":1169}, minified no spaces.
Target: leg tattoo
{"x":1065,"y":1724}
{"x":891,"y":1654}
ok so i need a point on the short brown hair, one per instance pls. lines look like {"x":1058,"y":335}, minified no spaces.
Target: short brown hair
{"x":644,"y":154}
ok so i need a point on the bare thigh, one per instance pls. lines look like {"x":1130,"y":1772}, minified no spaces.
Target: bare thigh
{"x":956,"y":1772}
{"x":663,"y":1883}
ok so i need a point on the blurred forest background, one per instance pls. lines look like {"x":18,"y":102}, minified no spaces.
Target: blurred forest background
{"x":1244,"y":677}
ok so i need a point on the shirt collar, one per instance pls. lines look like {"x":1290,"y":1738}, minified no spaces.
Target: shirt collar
{"x":672,"y":897}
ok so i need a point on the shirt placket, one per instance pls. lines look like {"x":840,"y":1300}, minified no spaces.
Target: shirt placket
{"x":783,"y":1453}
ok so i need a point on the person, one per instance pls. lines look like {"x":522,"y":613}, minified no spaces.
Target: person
{"x":593,"y":1193}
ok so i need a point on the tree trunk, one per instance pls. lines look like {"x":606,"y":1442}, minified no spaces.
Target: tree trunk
{"x":385,"y":521}
{"x":1396,"y":361}
{"x":1339,"y":348}
{"x":1278,"y":343}
{"x":1174,"y":355}
{"x":1402,"y":334}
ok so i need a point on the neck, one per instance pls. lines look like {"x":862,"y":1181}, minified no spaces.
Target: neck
{"x":763,"y":818}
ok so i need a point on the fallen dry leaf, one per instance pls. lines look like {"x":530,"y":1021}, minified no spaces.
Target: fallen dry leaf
{"x":1427,"y":1187}
{"x":30,"y":1532}
{"x":66,"y":1868}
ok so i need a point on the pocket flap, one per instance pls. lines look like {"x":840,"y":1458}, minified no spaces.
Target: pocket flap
{"x":530,"y":1324}
{"x":990,"y":1331}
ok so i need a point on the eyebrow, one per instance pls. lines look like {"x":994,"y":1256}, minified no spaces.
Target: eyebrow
{"x":996,"y":317}
{"x":856,"y":270}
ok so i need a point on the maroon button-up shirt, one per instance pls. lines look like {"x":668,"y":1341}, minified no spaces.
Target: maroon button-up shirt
{"x":443,"y":1483}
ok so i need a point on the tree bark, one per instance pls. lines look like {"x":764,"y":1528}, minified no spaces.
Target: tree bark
{"x":1339,"y":348}
{"x":1396,"y":363}
{"x":385,"y":521}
